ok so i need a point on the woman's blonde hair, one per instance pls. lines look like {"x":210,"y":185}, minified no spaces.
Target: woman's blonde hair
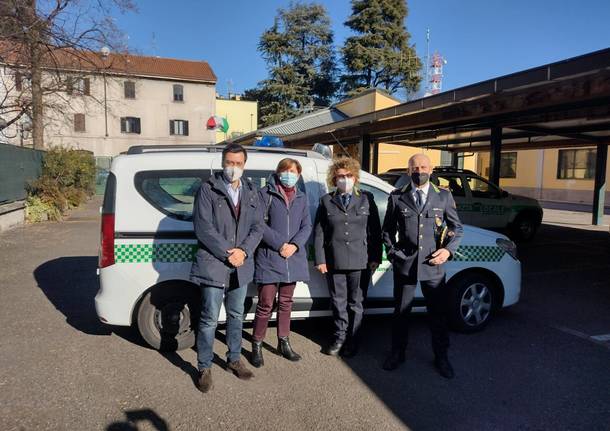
{"x":343,"y":162}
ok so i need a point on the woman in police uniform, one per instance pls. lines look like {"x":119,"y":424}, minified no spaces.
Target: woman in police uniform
{"x":347,"y":241}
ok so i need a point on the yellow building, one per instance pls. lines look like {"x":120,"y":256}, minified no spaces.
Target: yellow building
{"x":392,"y":156}
{"x":560,"y":175}
{"x":242,"y":116}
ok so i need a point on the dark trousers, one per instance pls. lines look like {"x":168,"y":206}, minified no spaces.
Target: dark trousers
{"x":365,"y":280}
{"x":264,"y":308}
{"x":211,"y":301}
{"x":346,"y":302}
{"x":437,"y":297}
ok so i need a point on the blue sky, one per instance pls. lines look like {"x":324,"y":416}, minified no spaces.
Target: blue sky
{"x":480,"y":39}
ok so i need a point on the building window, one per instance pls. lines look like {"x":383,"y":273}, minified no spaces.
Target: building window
{"x":130,"y":125}
{"x":576,"y":164}
{"x":79,"y":123}
{"x":179,"y":127}
{"x":446,"y":158}
{"x":129,"y":88}
{"x":178,"y":93}
{"x":508,"y":165}
{"x":78,"y":86}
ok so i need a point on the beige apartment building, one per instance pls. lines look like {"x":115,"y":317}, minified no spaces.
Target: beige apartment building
{"x":126,"y":100}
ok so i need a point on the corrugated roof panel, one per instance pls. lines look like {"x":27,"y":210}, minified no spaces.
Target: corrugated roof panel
{"x":318,"y":118}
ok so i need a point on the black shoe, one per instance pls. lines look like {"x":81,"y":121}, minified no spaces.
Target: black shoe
{"x":350,"y":349}
{"x":204,"y":382}
{"x":285,"y":349}
{"x":333,"y":349}
{"x":394,"y":360}
{"x":444,"y":367}
{"x":257,"y":354}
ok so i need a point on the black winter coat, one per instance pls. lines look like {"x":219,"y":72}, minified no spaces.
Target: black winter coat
{"x":347,"y":238}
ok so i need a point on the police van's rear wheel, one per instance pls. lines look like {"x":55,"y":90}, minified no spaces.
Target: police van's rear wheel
{"x":474,"y":297}
{"x":167,"y":317}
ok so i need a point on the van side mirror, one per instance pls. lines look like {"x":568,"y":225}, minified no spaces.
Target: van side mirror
{"x":504,"y":194}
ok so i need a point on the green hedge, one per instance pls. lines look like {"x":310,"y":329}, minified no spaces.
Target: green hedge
{"x":67,"y":180}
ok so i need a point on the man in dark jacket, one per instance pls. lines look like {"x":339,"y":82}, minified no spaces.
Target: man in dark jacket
{"x":429,"y":233}
{"x":228,"y":222}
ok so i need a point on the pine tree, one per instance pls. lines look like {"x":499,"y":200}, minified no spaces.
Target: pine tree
{"x":299,"y":52}
{"x":379,"y":54}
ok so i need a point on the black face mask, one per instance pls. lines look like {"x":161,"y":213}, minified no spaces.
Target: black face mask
{"x":420,"y":178}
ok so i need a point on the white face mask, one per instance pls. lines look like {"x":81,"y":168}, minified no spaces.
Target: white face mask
{"x":233,"y":173}
{"x":345,"y":185}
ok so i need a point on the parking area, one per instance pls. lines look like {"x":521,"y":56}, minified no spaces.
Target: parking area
{"x":542,"y":364}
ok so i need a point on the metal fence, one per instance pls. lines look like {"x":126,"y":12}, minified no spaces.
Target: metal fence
{"x":18,"y":166}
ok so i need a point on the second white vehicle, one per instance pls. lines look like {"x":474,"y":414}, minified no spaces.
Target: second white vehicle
{"x":148,"y":244}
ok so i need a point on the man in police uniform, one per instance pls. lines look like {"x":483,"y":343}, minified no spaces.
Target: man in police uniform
{"x":429,"y":233}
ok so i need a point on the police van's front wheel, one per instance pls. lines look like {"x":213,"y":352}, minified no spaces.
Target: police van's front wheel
{"x":167,"y":316}
{"x":474,"y":298}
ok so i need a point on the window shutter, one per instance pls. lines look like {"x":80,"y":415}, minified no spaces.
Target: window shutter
{"x":129,"y":90}
{"x":186,"y":128}
{"x":171,"y":127}
{"x":18,"y":81}
{"x":123,"y":124}
{"x":137,"y":128}
{"x":79,"y":122}
{"x":87,"y":86}
{"x":69,"y":85}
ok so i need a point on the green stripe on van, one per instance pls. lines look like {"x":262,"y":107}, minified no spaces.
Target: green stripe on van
{"x":144,"y":253}
{"x":185,"y":252}
{"x":478,"y":253}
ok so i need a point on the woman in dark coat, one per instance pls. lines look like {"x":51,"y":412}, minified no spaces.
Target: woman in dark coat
{"x":347,"y":242}
{"x":281,"y":258}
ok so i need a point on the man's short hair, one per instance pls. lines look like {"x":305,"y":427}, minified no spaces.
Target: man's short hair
{"x":234,"y":148}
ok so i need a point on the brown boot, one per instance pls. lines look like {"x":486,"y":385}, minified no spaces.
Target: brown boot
{"x":239,"y":369}
{"x":204,"y":383}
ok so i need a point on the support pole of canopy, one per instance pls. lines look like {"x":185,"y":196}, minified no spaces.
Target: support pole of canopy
{"x":375,"y":169}
{"x":599,"y":188}
{"x":495,"y":155}
{"x":365,"y":152}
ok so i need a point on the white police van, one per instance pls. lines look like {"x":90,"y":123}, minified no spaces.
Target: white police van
{"x":148,"y":244}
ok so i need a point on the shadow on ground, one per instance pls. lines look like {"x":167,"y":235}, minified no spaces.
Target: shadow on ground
{"x":147,"y":417}
{"x":70,"y":284}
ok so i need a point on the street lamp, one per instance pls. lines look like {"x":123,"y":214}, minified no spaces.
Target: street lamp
{"x":105,"y":51}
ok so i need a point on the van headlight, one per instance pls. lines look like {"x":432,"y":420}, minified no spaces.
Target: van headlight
{"x":508,"y":246}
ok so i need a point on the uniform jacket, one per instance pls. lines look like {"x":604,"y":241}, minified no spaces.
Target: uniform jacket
{"x":218,"y":229}
{"x":285,"y":224}
{"x":347,"y":238}
{"x":418,"y":231}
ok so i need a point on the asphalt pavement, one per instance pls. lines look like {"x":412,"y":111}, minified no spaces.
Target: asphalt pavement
{"x":543,"y":364}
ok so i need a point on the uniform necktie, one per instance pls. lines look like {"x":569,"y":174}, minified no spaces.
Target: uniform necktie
{"x":420,"y":199}
{"x":345,"y":199}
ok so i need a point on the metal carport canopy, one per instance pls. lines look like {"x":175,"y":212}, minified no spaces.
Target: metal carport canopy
{"x":562,"y":104}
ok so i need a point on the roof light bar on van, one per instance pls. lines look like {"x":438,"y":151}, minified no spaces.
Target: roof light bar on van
{"x":142,"y":149}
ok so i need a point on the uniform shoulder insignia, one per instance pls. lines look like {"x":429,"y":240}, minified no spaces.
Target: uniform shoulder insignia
{"x":434,"y":186}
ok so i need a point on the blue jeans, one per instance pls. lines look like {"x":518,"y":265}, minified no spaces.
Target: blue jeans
{"x":211,"y":301}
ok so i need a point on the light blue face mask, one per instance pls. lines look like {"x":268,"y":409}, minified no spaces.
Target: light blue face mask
{"x":288,"y":179}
